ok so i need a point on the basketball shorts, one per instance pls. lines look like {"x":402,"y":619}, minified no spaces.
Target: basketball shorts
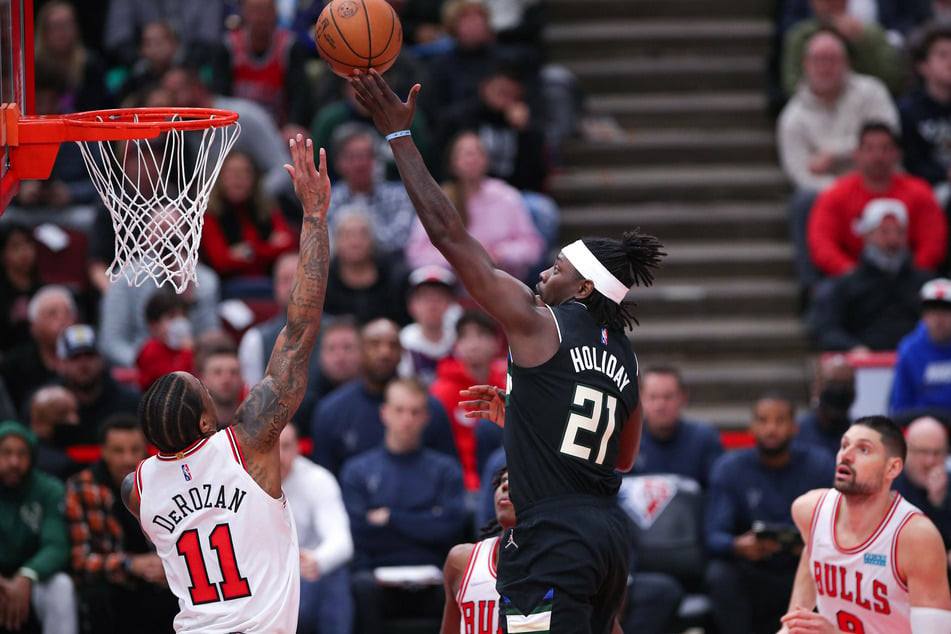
{"x":563,"y":568}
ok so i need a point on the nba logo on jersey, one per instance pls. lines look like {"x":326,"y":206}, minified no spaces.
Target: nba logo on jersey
{"x":186,"y":473}
{"x":604,"y":336}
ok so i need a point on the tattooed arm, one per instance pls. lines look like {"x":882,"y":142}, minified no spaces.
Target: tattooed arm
{"x":271,"y":403}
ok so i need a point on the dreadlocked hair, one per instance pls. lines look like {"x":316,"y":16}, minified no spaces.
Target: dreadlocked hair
{"x":631,"y":260}
{"x":170,"y":413}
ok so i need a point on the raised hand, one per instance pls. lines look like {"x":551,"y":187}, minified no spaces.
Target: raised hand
{"x":311,"y":184}
{"x":484,"y":401}
{"x":389,"y":113}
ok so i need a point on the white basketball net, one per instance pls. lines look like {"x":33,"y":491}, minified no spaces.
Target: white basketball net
{"x":157,"y":199}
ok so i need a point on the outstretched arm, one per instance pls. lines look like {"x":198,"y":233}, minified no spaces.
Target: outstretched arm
{"x":270,"y":404}
{"x":509,"y":301}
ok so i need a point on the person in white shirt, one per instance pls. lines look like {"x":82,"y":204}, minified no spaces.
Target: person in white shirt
{"x":323,"y":532}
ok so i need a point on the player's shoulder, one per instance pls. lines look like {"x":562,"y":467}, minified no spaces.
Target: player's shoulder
{"x":805,"y":505}
{"x":457,"y":561}
{"x":920,"y":533}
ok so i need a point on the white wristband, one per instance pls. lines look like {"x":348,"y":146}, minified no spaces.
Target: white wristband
{"x":29,"y":573}
{"x":396,"y":135}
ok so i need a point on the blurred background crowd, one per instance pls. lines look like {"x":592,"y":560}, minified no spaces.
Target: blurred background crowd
{"x":861,"y":95}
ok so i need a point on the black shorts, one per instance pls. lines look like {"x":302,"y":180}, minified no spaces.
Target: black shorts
{"x":563,"y":568}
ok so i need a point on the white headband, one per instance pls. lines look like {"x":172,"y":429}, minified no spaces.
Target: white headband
{"x":591,"y":268}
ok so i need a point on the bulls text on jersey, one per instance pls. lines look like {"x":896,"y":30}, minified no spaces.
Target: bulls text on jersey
{"x":480,"y":617}
{"x":849,"y":585}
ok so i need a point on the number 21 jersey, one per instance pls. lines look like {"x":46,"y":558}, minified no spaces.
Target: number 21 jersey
{"x":229,"y":549}
{"x":564,"y":418}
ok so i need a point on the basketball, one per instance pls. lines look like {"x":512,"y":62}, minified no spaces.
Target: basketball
{"x":358,"y":34}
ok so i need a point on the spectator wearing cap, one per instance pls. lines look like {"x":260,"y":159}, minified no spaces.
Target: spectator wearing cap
{"x":836,"y":242}
{"x":432,"y":305}
{"x":817,"y":131}
{"x":34,"y":558}
{"x":876,"y":304}
{"x":922,"y":379}
{"x":83,"y":371}
{"x":361,"y":182}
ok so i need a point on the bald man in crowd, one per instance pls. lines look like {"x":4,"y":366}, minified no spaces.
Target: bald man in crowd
{"x":924,"y":480}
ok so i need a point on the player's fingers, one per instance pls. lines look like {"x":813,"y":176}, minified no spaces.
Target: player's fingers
{"x":294,"y":145}
{"x":376,"y":85}
{"x":413,"y":94}
{"x":361,"y":99}
{"x":322,"y":161}
{"x":309,"y":156}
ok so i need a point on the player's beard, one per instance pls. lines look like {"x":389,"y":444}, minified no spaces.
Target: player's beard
{"x":851,"y":486}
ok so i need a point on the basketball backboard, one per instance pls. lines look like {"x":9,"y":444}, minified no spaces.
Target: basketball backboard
{"x":16,"y":83}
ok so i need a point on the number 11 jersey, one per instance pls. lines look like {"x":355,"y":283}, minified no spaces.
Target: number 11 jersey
{"x":229,"y":549}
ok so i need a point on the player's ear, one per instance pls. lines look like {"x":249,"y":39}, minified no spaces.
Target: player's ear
{"x":585,"y":288}
{"x":893,"y":467}
{"x":208,"y":423}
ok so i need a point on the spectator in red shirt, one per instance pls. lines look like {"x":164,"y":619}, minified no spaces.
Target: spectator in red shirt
{"x":834,"y":243}
{"x":244,"y":231}
{"x":170,"y":346}
{"x":476,"y":360}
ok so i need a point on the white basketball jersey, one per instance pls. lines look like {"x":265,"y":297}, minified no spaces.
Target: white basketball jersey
{"x":859,"y":589}
{"x":228,"y":548}
{"x":478,"y":599}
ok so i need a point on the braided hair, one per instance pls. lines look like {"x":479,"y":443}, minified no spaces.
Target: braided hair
{"x":631,"y":260}
{"x":170,"y":412}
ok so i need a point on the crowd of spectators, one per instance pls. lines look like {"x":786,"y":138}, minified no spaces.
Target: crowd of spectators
{"x":392,"y":473}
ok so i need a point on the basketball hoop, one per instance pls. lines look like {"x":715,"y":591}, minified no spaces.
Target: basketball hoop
{"x":155,"y":181}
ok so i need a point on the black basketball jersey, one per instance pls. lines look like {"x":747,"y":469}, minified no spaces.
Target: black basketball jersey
{"x":564,"y":418}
